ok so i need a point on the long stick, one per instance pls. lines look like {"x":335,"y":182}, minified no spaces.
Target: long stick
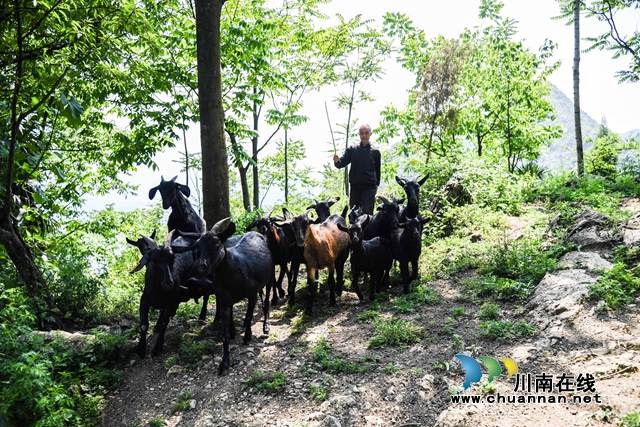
{"x":332,"y":138}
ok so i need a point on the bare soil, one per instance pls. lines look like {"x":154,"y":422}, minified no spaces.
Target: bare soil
{"x":401,"y":386}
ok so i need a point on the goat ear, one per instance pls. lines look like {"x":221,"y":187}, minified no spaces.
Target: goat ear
{"x":174,"y":178}
{"x":401,"y":224}
{"x":250,"y":226}
{"x":344,"y":212}
{"x":153,"y":235}
{"x":143,"y":261}
{"x":131,"y":242}
{"x":422,"y":181}
{"x":342,"y":228}
{"x":424,"y":220}
{"x":333,"y":201}
{"x":152,"y":193}
{"x":317,"y":221}
{"x":401,"y":181}
{"x":230,"y":230}
{"x":184,"y":188}
{"x":398,"y":201}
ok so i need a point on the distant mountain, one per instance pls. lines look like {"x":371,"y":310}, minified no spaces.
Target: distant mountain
{"x":631,"y":134}
{"x":561,"y":154}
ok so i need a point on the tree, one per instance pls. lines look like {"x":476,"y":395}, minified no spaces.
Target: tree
{"x":66,"y":66}
{"x":620,"y":45}
{"x":215,"y":170}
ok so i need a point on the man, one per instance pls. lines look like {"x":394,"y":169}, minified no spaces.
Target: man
{"x":364,"y":175}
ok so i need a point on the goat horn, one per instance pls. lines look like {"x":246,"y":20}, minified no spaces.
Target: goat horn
{"x":174,"y":178}
{"x":221,"y":225}
{"x":161,"y":178}
{"x":169,"y":238}
{"x":152,"y":243}
{"x":259,"y":215}
{"x":153,"y":235}
{"x":271,"y":212}
{"x":384,"y":200}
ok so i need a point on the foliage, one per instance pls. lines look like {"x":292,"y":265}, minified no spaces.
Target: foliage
{"x":52,"y":384}
{"x":421,"y":295}
{"x":267,"y":382}
{"x":395,"y":332}
{"x":500,"y":288}
{"x":602,"y":159}
{"x":489,"y":311}
{"x":631,"y":420}
{"x":617,"y":287}
{"x":506,"y":330}
{"x":183,"y":402}
{"x":330,"y":362}
{"x":369,"y":316}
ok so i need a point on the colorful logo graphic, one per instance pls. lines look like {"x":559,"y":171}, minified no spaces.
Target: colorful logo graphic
{"x":474,"y":372}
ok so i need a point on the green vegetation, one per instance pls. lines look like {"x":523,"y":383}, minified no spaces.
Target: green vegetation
{"x":368,"y":316}
{"x":419,"y":296}
{"x":489,"y":311}
{"x":395,"y":332}
{"x":330,"y":362}
{"x":392,"y":369}
{"x":156,"y":422}
{"x":440,"y":365}
{"x":631,"y":420}
{"x":617,"y":287}
{"x":183,"y":402}
{"x":503,"y":330}
{"x":265,"y":382}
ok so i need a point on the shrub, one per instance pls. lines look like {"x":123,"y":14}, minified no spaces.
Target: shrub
{"x":489,"y":311}
{"x":617,"y":288}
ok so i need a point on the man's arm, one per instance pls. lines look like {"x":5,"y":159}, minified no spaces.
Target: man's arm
{"x":343,"y":161}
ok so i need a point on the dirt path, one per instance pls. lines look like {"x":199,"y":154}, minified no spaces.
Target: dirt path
{"x":397,"y":385}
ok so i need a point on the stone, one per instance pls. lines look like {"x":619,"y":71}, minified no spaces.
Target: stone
{"x":175,"y":370}
{"x":338,"y":404}
{"x":330,"y":421}
{"x":561,"y":293}
{"x":587,"y":260}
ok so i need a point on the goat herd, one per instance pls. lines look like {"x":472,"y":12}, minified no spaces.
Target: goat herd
{"x":195,"y":263}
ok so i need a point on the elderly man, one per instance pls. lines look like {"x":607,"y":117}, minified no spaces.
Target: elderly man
{"x":364,"y":175}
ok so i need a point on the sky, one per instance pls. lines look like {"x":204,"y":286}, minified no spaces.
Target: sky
{"x":600,"y":93}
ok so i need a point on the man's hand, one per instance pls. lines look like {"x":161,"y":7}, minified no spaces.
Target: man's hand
{"x":336,"y":159}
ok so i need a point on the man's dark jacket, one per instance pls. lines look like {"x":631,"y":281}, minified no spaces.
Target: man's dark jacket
{"x":365,"y":165}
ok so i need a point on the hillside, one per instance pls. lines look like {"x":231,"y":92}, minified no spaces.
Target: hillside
{"x":561,"y":154}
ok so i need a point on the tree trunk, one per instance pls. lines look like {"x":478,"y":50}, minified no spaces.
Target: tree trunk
{"x":576,"y":85}
{"x":242,"y":171}
{"x":286,"y":168}
{"x":215,"y":169}
{"x":254,"y":156}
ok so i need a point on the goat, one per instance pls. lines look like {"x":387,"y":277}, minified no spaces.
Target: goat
{"x":412,"y":190}
{"x":281,"y":244}
{"x":355,"y":213}
{"x":233,"y":272}
{"x":323,"y":208}
{"x":325,"y":246}
{"x":406,"y":246}
{"x":183,"y":217}
{"x":368,"y":256}
{"x":384,"y":221}
{"x":166,"y":271}
{"x":142,"y":243}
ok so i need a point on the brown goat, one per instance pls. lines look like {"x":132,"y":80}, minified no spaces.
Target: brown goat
{"x":325,"y":246}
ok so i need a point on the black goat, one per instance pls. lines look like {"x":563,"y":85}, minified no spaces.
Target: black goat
{"x":323,"y":208}
{"x":355,"y":213}
{"x":406,"y":246}
{"x":166,"y":271}
{"x":384,"y":221}
{"x":143,"y":242}
{"x":368,"y":256}
{"x":281,"y":244}
{"x":234,"y":272}
{"x":183,"y":217}
{"x":412,"y":190}
{"x":325,"y":246}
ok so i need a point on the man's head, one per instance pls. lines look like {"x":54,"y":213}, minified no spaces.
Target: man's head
{"x":365,"y":134}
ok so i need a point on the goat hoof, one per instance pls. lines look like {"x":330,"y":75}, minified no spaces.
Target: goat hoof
{"x":266,"y":329}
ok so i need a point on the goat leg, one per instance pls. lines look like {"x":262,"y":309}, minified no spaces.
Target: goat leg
{"x":404,"y":272}
{"x":311,"y":288}
{"x":248,"y":318}
{"x":160,"y":329}
{"x":226,"y":314}
{"x":332,"y":288}
{"x":293,"y":281}
{"x":144,"y":327}
{"x":203,"y":311}
{"x":355,"y":275}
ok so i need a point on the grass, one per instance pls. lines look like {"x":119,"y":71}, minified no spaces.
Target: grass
{"x":328,"y":361}
{"x":368,"y":316}
{"x":631,"y":420}
{"x":502,"y":330}
{"x":489,"y":311}
{"x":458,"y":312}
{"x":183,"y":402}
{"x":392,"y":369}
{"x":266,"y":382}
{"x":617,"y":288}
{"x":499,"y":288}
{"x":319,"y":392}
{"x":421,"y":295}
{"x":156,"y":422}
{"x":440,"y":365}
{"x":395,"y":332}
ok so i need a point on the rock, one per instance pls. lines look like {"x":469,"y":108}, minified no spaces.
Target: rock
{"x":458,"y":416}
{"x":391,"y":390}
{"x":330,"y":422}
{"x":588,"y":260}
{"x":355,"y":389}
{"x":426,"y":382}
{"x":591,"y":231}
{"x":631,"y":231}
{"x":522,"y":354}
{"x":338,"y":404}
{"x":560,"y":293}
{"x":175,"y":370}
{"x":75,"y":340}
{"x":373,"y":421}
{"x":193,"y":403}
